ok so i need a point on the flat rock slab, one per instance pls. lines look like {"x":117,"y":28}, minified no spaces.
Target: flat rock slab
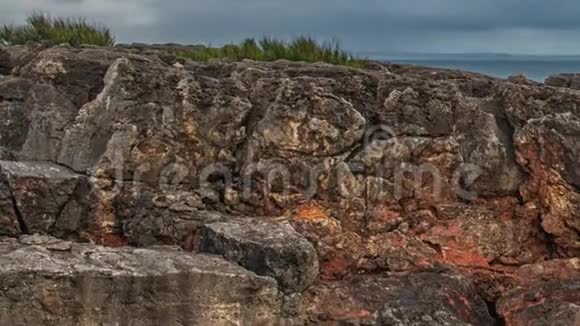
{"x":37,"y":170}
{"x":266,"y":248}
{"x":43,"y":282}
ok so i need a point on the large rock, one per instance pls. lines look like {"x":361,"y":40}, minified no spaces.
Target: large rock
{"x":14,"y":56}
{"x":521,"y":103}
{"x":34,"y":118}
{"x":5,"y":61}
{"x":9,"y":222}
{"x":148,"y":216}
{"x":149,"y":118}
{"x":77,"y":73}
{"x":550,"y":149}
{"x":427,"y":299}
{"x":477,"y":128}
{"x":470,"y":83}
{"x":392,"y":169}
{"x":6,"y":155}
{"x":556,"y":269}
{"x":50,"y":283}
{"x":475,"y":237}
{"x":322,"y":125}
{"x":545,"y":293}
{"x":546,"y":303}
{"x":43,"y":197}
{"x":522,"y":79}
{"x":564,"y":80}
{"x":266,"y":248}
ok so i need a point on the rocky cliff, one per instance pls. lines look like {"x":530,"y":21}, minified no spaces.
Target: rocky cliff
{"x":137,"y":188}
{"x":564,"y":80}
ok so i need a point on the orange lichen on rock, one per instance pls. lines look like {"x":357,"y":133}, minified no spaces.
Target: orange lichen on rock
{"x":541,"y":150}
{"x":314,"y":217}
{"x":309,"y":212}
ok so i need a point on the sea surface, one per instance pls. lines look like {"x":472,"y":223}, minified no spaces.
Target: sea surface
{"x":535,"y":67}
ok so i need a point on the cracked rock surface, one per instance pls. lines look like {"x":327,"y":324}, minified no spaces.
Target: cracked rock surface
{"x":266,"y":248}
{"x":298,"y":194}
{"x":45,"y":282}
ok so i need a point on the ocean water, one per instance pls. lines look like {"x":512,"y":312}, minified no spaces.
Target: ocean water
{"x":534,"y":67}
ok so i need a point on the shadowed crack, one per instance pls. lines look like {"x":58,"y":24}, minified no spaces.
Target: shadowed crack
{"x":11,"y":99}
{"x":491,"y":308}
{"x":551,"y":244}
{"x":19,"y":216}
{"x":434,"y":246}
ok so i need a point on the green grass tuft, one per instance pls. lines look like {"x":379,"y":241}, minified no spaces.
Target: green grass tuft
{"x":77,"y":31}
{"x":40,"y":27}
{"x":301,"y":49}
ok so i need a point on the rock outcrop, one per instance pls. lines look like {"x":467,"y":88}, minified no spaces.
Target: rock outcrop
{"x":300,"y":194}
{"x":564,"y":80}
{"x":424,"y":298}
{"x":547,"y":294}
{"x":45,"y":282}
{"x":268,"y":249}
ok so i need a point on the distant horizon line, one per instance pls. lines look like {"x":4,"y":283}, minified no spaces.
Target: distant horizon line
{"x":385,"y":52}
{"x":497,"y":54}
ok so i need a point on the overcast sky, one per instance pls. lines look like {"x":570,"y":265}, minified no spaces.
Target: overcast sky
{"x":441,"y":26}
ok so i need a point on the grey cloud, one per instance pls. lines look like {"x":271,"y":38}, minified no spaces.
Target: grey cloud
{"x":395,"y":25}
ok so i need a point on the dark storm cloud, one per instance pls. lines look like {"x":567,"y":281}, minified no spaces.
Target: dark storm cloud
{"x":396,"y":25}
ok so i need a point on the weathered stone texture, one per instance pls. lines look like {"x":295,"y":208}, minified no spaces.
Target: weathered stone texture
{"x":48,"y":282}
{"x":329,"y":182}
{"x":266,"y":248}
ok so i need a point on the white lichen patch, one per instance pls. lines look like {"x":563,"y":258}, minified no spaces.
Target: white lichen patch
{"x":49,"y":68}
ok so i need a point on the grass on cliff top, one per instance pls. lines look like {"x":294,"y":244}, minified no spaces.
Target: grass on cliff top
{"x":40,"y":27}
{"x":268,"y":49}
{"x":77,"y":31}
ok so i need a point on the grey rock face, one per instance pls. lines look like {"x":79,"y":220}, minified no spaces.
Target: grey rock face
{"x":522,"y":80}
{"x":35,"y":118}
{"x":518,"y":307}
{"x":5,"y":62}
{"x":12,"y":57}
{"x":421,"y":299}
{"x":9,"y":225}
{"x":6,"y":155}
{"x":386,"y":171}
{"x":152,"y":127}
{"x":40,"y":195}
{"x":153,"y":216}
{"x":550,"y":150}
{"x":266,"y":248}
{"x":76,"y":73}
{"x":323,"y":124}
{"x":564,"y":80}
{"x":92,"y":285}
